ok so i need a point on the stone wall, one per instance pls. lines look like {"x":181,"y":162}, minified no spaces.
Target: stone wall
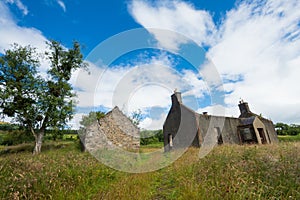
{"x":270,"y":130}
{"x":184,"y":127}
{"x":114,"y":130}
{"x":226,"y":125}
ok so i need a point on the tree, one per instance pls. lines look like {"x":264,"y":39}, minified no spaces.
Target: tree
{"x":285,"y":129}
{"x":91,"y":117}
{"x":35,"y":102}
{"x":281,"y":128}
{"x":136,"y":117}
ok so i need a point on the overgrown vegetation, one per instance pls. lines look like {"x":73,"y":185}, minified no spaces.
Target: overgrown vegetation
{"x":289,"y":138}
{"x":34,"y":101}
{"x":285,"y":129}
{"x":12,"y":134}
{"x":151,"y":137}
{"x":228,"y":172}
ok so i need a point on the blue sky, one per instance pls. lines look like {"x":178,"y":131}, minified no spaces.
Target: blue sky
{"x":90,"y":21}
{"x":246,"y":49}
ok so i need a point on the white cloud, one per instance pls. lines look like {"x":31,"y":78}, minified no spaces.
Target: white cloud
{"x":127,"y":84}
{"x":75,"y":122}
{"x":11,"y":33}
{"x":62,"y":5}
{"x":198,"y":86}
{"x":255,"y":49}
{"x":260,"y":43}
{"x":176,"y":16}
{"x":19,"y":4}
{"x":141,"y":86}
{"x":220,"y":110}
{"x":153,"y":124}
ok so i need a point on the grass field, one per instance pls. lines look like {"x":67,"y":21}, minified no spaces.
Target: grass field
{"x":228,"y":172}
{"x":289,"y":138}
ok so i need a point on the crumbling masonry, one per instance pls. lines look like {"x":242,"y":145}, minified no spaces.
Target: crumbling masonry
{"x":184,"y":127}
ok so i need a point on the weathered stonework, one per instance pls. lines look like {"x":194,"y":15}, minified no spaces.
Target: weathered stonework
{"x":115,"y":130}
{"x":184,"y":127}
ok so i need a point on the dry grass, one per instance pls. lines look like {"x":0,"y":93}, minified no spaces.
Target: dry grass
{"x":228,"y":172}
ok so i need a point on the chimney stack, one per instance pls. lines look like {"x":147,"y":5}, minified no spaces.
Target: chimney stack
{"x":176,"y":97}
{"x":244,"y":108}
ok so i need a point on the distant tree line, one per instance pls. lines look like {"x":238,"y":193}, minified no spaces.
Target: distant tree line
{"x":14,"y":134}
{"x":285,"y":129}
{"x":151,"y":137}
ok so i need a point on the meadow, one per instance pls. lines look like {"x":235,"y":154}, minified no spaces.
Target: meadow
{"x":61,"y":171}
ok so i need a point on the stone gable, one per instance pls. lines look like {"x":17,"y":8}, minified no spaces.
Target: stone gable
{"x":114,"y":130}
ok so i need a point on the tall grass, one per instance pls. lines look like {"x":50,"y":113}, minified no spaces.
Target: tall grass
{"x":289,"y":138}
{"x":228,"y":172}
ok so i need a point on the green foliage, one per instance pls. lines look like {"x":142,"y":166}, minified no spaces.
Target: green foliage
{"x":21,"y":85}
{"x":58,"y":102}
{"x":136,"y":117}
{"x":15,"y":137}
{"x":151,"y":137}
{"x":61,"y":135}
{"x":20,"y":136}
{"x":289,"y":138}
{"x":33,"y":101}
{"x":285,"y":129}
{"x":9,"y":127}
{"x":90,"y":118}
{"x":100,"y":115}
{"x":27,"y":147}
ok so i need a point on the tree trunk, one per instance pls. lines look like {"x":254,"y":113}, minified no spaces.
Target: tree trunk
{"x":38,"y":142}
{"x":39,"y":137}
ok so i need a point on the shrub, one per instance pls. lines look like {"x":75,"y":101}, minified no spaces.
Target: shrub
{"x":15,"y":137}
{"x":151,"y":137}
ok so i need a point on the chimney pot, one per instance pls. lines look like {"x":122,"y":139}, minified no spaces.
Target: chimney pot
{"x":178,"y":96}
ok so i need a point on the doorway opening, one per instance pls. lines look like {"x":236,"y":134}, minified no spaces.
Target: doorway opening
{"x":262,"y":135}
{"x":219,"y":135}
{"x":170,"y":141}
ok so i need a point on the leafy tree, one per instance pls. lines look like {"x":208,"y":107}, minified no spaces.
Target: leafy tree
{"x":99,"y":115}
{"x":285,"y":129}
{"x":281,"y":128}
{"x":35,"y":102}
{"x":90,"y":118}
{"x":294,"y":129}
{"x":136,"y":117}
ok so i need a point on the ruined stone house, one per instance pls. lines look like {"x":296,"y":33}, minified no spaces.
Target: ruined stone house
{"x":184,"y":127}
{"x":114,"y":130}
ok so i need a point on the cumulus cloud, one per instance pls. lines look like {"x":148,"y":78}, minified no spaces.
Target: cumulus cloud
{"x":11,"y":33}
{"x":120,"y":85}
{"x":176,"y":16}
{"x":153,"y":123}
{"x":143,"y":85}
{"x":255,"y":49}
{"x":259,"y":43}
{"x":220,"y":110}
